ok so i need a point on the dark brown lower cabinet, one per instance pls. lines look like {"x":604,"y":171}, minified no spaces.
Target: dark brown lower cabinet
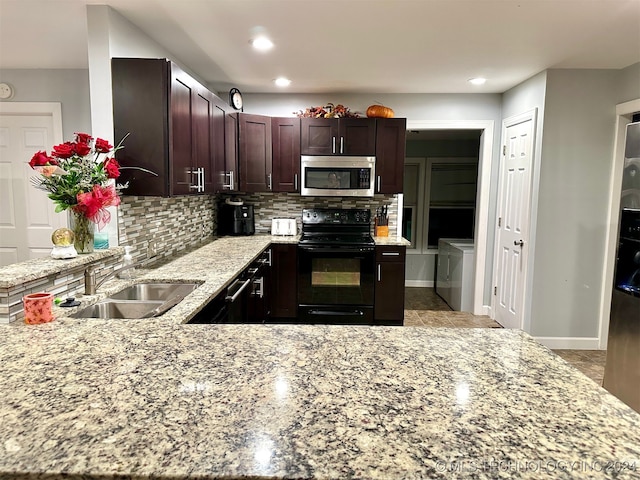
{"x":389,"y":290}
{"x":284,"y":281}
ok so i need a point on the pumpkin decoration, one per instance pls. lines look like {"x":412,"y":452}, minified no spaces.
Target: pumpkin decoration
{"x":379,"y":111}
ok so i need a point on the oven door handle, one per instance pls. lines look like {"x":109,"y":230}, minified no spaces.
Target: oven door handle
{"x":331,"y":249}
{"x":333,"y":313}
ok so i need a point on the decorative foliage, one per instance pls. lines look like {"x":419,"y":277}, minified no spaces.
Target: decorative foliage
{"x":328,"y":111}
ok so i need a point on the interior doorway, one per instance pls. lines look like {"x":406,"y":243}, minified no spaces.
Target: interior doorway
{"x":624,"y":114}
{"x":483,"y":131}
{"x":27,"y":217}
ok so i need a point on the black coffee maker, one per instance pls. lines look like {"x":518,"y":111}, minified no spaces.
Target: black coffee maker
{"x":235,"y":218}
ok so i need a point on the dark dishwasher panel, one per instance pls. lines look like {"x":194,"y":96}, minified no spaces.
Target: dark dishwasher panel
{"x":245,"y":300}
{"x":215,"y":311}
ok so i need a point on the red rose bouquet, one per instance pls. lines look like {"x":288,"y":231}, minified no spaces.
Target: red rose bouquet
{"x":77,"y":175}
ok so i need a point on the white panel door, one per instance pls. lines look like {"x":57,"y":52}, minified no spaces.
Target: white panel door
{"x":27,"y":216}
{"x":513,"y":222}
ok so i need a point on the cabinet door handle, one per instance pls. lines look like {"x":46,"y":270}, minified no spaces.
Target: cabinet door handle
{"x":378,"y":272}
{"x":333,"y":144}
{"x":270,"y":185}
{"x":260,"y":284}
{"x":201,"y":182}
{"x":378,"y":183}
{"x":195,"y":172}
{"x":295,"y":181}
{"x":341,"y":144}
{"x":231,"y":181}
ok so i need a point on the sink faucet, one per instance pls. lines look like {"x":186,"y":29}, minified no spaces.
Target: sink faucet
{"x":90,"y":286}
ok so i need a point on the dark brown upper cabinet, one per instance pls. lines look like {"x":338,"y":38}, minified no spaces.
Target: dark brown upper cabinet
{"x":338,"y":136}
{"x":169,"y":118}
{"x":390,"y":151}
{"x":285,"y":144}
{"x":254,"y":154}
{"x":229,"y":173}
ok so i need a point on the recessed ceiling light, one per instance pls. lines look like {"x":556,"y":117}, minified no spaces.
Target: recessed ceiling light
{"x":477,"y":81}
{"x":261,"y":43}
{"x":282,"y":82}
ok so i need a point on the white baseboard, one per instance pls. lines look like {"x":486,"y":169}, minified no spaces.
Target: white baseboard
{"x":486,"y":310}
{"x":419,"y":283}
{"x":570,"y":343}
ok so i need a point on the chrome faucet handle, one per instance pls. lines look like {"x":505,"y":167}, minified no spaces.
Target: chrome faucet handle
{"x":90,"y":280}
{"x":90,"y":285}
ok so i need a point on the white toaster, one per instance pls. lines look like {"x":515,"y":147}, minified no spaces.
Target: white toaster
{"x":284,"y":226}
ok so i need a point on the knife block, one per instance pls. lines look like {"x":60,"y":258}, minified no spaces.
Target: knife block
{"x":380,"y":230}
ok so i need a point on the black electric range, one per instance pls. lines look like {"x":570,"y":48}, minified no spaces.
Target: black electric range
{"x":336,"y":261}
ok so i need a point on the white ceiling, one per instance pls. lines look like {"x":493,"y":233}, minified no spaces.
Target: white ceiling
{"x":342,"y":46}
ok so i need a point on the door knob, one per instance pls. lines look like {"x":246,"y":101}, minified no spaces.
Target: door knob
{"x":521,"y":243}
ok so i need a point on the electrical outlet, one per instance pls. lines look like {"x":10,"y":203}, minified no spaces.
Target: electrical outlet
{"x":152,"y":249}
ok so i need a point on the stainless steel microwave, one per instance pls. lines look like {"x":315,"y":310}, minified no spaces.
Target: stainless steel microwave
{"x":337,"y":176}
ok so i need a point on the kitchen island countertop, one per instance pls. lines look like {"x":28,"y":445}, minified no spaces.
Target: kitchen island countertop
{"x":152,"y":399}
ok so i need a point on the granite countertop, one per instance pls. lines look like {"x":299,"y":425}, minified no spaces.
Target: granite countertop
{"x":152,"y":399}
{"x":392,"y":241}
{"x":212,"y":266}
{"x":23,"y":272}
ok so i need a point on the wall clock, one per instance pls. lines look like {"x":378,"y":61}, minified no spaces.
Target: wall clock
{"x":6,"y":91}
{"x":235,"y":99}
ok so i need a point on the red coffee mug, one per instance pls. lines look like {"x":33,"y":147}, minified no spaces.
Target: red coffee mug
{"x":38,"y":308}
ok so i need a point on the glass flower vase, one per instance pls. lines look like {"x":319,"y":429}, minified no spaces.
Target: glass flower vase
{"x":83,"y":230}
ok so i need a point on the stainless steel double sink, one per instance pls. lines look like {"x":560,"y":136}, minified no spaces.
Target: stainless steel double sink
{"x":142,"y":300}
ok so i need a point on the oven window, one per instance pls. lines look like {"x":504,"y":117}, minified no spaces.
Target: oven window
{"x":337,"y":178}
{"x":331,"y":272}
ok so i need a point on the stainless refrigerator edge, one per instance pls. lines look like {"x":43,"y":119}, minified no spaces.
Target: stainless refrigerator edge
{"x":622,"y":369}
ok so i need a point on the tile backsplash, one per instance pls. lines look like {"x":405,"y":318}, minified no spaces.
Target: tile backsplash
{"x":174,"y":224}
{"x":179,"y":223}
{"x":289,"y":205}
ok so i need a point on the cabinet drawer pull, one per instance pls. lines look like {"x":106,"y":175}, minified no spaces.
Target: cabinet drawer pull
{"x":390,"y":254}
{"x":233,"y":298}
{"x":259,"y":291}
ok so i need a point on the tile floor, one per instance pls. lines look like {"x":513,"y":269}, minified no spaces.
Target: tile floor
{"x":424,"y":308}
